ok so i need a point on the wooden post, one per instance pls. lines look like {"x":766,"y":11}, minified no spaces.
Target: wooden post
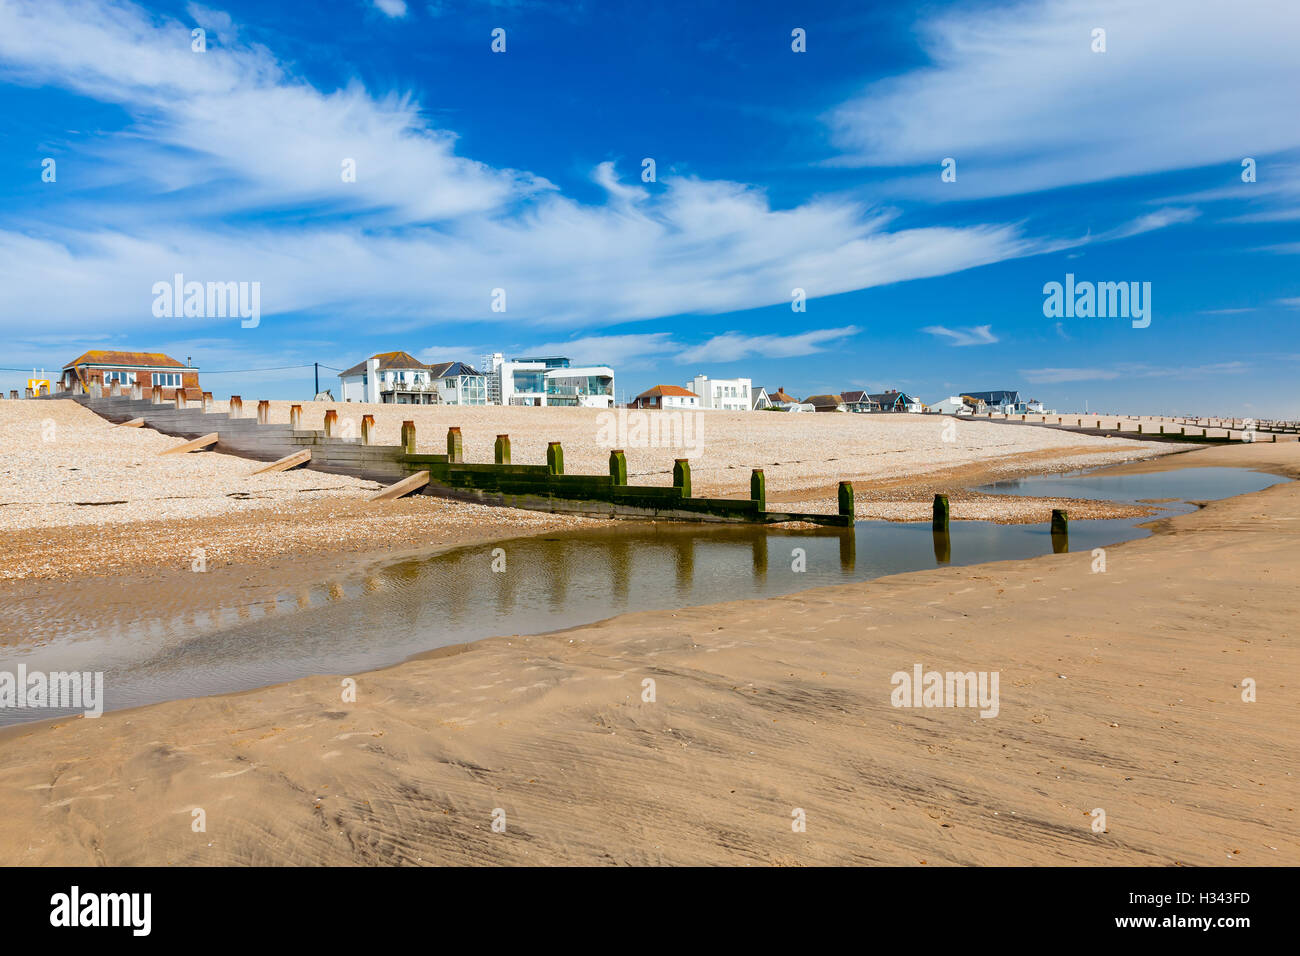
{"x":758,"y":488}
{"x":554,"y":458}
{"x":682,"y":476}
{"x":236,"y":407}
{"x":455,"y":447}
{"x":408,"y":437}
{"x":331,"y":422}
{"x":13,"y":393}
{"x":618,"y":467}
{"x":137,"y":393}
{"x":263,"y":412}
{"x":367,"y":429}
{"x":847,"y":508}
{"x":156,"y":395}
{"x":1139,"y":428}
{"x":501,"y":450}
{"x":940,"y":513}
{"x":179,"y":397}
{"x":295,"y":417}
{"x":207,"y":401}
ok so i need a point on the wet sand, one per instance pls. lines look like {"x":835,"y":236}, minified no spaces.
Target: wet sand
{"x":1120,"y":691}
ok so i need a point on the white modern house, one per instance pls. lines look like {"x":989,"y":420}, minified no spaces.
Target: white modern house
{"x":952,"y":405}
{"x":399,"y":378}
{"x":726,"y":394}
{"x":549,"y":380}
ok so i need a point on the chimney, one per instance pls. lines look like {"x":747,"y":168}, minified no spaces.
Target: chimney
{"x":372,"y":381}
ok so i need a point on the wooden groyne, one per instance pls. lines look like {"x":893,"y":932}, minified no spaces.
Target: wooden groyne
{"x":540,"y":487}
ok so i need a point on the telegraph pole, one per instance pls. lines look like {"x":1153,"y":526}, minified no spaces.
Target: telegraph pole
{"x":317,"y":392}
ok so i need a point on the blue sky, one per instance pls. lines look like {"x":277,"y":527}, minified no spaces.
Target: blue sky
{"x":776,"y":170}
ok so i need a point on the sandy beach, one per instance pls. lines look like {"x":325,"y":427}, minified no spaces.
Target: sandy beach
{"x":1120,"y":691}
{"x":67,"y":471}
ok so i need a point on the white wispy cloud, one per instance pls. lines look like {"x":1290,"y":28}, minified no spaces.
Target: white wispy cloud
{"x":1017,"y":95}
{"x":1039,"y":376}
{"x":391,"y":8}
{"x":423,"y":234}
{"x":630,"y":351}
{"x":732,"y":346}
{"x":973,"y":335}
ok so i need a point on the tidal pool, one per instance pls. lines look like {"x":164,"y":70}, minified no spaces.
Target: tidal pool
{"x":391,"y":612}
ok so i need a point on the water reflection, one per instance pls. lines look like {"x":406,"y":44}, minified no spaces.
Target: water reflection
{"x":417,"y":604}
{"x":942,"y":546}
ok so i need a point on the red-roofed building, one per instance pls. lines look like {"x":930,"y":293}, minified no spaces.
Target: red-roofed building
{"x":666,"y":396}
{"x":149,"y":369}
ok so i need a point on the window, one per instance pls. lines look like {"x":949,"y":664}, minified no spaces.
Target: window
{"x":126,"y":378}
{"x":166,"y":379}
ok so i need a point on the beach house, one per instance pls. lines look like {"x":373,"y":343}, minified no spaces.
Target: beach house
{"x":548,"y":381}
{"x":399,"y":378}
{"x":727,"y":394}
{"x":825,"y":403}
{"x":896,"y":401}
{"x":1001,"y":400}
{"x":957,"y":405}
{"x":667,"y":396}
{"x":858,"y":402}
{"x":758,"y":398}
{"x":149,"y":369}
{"x":780,"y":399}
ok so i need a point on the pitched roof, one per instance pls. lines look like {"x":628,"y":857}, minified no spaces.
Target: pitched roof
{"x":823,"y":401}
{"x":126,"y":359}
{"x":780,"y":396}
{"x":388,"y":360}
{"x":450,"y":369}
{"x":1005,"y":396}
{"x":673,"y":390}
{"x":886,"y":398}
{"x":852,"y":398}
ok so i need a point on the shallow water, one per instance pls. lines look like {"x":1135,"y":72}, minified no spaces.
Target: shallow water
{"x":1183,"y":485}
{"x":414,"y":605}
